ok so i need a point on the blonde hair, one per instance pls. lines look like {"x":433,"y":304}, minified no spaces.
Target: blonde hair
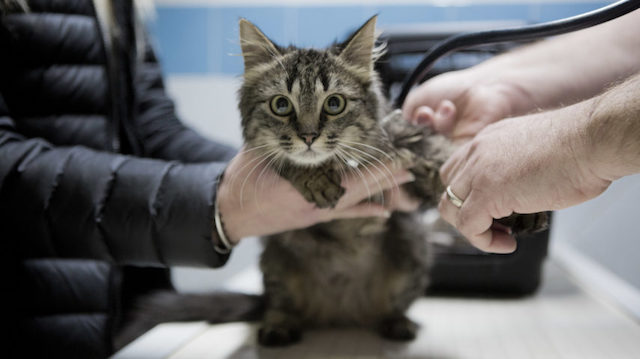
{"x":144,"y":10}
{"x":13,"y":6}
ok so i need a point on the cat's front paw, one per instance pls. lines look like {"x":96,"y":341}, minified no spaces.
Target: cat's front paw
{"x":323,"y":188}
{"x":398,"y":328}
{"x":424,"y":151}
{"x":278,"y":335}
{"x":319,"y":185}
{"x":526,"y":223}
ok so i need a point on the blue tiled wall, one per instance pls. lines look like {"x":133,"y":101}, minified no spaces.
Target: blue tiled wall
{"x":197,"y":40}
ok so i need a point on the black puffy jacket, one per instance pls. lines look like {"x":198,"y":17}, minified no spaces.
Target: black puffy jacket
{"x":96,"y":172}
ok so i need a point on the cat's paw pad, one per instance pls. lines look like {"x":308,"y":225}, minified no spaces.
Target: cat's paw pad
{"x":401,"y":329}
{"x":274,"y":336}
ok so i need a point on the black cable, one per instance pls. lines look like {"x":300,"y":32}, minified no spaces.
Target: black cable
{"x":523,"y":33}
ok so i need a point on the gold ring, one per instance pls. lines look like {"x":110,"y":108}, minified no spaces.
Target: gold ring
{"x":453,"y":198}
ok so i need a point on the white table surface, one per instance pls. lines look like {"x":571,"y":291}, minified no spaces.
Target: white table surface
{"x":561,"y":321}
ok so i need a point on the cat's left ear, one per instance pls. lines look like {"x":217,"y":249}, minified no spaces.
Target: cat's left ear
{"x":358,"y":49}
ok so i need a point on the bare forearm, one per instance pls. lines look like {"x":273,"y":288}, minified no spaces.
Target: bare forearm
{"x":614,"y":129}
{"x":568,"y":68}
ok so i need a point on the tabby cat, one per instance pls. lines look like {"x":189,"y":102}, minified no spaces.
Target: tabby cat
{"x":318,"y":115}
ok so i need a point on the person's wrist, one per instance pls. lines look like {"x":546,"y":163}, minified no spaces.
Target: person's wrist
{"x":587,"y":158}
{"x":612,"y":156}
{"x":225,"y":216}
{"x":222,"y":243}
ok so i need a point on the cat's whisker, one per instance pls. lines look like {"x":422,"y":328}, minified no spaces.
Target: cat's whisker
{"x":253,"y":160}
{"x":362,"y":177}
{"x":353,"y":161}
{"x":344,"y":165}
{"x":390,"y":176}
{"x":251,"y":149}
{"x":345,"y":169}
{"x":279,"y":166}
{"x":341,"y":167}
{"x":256,"y":189}
{"x":380,"y":190}
{"x":249,"y":175}
{"x":369,"y":147}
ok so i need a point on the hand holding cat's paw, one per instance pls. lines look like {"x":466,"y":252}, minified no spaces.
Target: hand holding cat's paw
{"x":517,"y":165}
{"x":424,"y":150}
{"x":370,"y":182}
{"x":255,"y":201}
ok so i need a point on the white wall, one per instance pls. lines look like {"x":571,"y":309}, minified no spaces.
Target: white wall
{"x":208,"y":103}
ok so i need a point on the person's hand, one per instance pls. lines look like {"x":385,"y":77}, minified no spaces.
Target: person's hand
{"x":528,"y":164}
{"x":461,"y":103}
{"x":255,"y":201}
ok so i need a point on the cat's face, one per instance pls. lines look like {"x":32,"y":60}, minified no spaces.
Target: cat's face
{"x":310,"y":106}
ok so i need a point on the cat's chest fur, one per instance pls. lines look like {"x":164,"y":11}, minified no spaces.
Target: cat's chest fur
{"x":334,"y":279}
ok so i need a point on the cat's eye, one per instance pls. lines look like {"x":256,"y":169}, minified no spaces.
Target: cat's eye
{"x":281,"y":106}
{"x":334,"y":104}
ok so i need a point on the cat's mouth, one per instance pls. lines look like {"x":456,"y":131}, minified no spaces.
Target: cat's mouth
{"x":309,"y":156}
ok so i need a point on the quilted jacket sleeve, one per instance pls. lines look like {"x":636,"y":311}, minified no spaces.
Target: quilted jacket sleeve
{"x":79,"y":203}
{"x":162,"y":134}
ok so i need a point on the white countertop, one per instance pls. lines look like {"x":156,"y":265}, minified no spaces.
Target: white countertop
{"x":561,"y":321}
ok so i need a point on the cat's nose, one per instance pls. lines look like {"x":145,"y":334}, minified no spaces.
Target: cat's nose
{"x":309,"y":137}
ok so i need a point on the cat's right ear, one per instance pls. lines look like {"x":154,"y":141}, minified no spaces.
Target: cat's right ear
{"x":256,"y":47}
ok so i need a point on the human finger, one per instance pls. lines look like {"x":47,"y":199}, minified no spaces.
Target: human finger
{"x":453,"y":164}
{"x":453,"y":199}
{"x":423,"y":115}
{"x":447,"y":210}
{"x":450,"y":206}
{"x":371,"y":181}
{"x":475,"y":222}
{"x":444,"y":118}
{"x":400,"y":201}
{"x":451,"y":213}
{"x":367,"y":209}
{"x":414,"y":100}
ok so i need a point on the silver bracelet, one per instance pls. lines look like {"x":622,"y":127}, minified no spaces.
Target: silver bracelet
{"x":226,"y":244}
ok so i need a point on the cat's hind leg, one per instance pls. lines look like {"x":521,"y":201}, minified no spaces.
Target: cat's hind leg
{"x":398,"y":327}
{"x":281,"y":324}
{"x":279,"y":328}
